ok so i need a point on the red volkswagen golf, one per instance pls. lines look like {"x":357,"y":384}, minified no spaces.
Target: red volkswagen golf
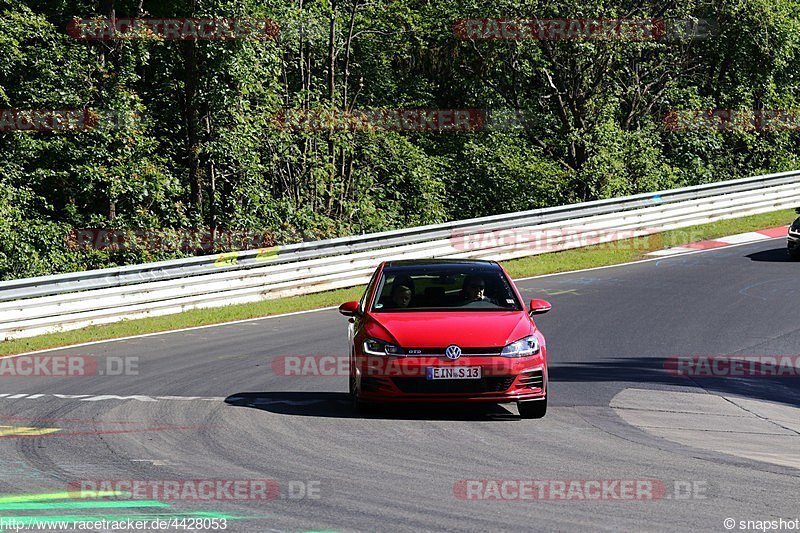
{"x":446,"y":331}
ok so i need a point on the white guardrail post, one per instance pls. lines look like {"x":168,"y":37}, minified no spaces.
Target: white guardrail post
{"x":46,"y":304}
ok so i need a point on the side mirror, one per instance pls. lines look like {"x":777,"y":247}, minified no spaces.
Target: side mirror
{"x":349,"y":308}
{"x":539,"y":307}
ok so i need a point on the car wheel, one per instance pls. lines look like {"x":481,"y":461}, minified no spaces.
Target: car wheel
{"x":532,"y":409}
{"x":361,"y":406}
{"x":794,"y":255}
{"x":358,"y":405}
{"x":354,"y":394}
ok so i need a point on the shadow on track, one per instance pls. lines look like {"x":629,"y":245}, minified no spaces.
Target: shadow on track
{"x":338,"y":405}
{"x":645,"y":370}
{"x":776,"y":255}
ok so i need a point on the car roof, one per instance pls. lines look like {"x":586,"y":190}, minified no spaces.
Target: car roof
{"x":410,"y":264}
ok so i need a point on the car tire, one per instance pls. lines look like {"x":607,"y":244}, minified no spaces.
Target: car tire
{"x":794,"y":255}
{"x":532,"y":409}
{"x":358,"y":405}
{"x":362,"y":407}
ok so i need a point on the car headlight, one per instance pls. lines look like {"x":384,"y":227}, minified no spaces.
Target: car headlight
{"x":522,"y":348}
{"x":379,"y":347}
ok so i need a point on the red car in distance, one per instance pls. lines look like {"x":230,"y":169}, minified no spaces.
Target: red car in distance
{"x":446,"y":331}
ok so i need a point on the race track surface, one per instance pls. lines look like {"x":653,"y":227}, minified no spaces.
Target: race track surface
{"x":228,"y":415}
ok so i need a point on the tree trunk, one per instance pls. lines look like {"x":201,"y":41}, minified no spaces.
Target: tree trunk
{"x":191,"y":119}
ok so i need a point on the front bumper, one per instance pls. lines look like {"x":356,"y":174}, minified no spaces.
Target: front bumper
{"x":404,"y":379}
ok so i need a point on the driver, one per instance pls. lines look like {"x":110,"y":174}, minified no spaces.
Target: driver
{"x":473,"y":290}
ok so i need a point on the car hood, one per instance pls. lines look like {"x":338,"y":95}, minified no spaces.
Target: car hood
{"x":468,"y":329}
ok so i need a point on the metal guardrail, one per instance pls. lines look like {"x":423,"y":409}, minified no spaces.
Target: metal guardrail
{"x":38,"y":305}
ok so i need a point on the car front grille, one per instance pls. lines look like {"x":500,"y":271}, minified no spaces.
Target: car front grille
{"x":453,"y":386}
{"x":465,"y":352}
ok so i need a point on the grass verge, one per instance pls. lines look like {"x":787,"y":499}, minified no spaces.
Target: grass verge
{"x":623,"y":251}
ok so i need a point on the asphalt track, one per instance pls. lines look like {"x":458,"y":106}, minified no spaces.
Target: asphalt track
{"x":610,"y":329}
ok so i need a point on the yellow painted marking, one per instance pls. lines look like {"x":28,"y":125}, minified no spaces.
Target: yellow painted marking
{"x":556,"y":292}
{"x":226,"y":259}
{"x":266,"y":253}
{"x":11,"y":430}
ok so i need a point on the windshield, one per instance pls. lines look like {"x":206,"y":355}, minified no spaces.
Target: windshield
{"x":447,"y":287}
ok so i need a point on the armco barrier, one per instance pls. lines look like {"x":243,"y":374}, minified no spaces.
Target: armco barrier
{"x":68,"y":301}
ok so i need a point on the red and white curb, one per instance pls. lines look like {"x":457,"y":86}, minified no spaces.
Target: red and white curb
{"x":741,"y":238}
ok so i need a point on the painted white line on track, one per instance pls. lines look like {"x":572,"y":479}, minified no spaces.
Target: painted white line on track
{"x":267,"y":401}
{"x":167,"y":332}
{"x":671,"y":251}
{"x":751,"y":236}
{"x":109,"y":397}
{"x":234,"y":322}
{"x":692,"y":252}
{"x":739,"y":238}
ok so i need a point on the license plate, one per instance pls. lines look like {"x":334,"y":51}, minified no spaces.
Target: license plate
{"x":454,"y":372}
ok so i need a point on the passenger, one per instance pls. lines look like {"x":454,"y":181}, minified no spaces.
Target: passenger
{"x":401,"y":296}
{"x":402,"y":293}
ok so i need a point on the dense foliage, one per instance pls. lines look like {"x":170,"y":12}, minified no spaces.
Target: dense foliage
{"x":196,"y":143}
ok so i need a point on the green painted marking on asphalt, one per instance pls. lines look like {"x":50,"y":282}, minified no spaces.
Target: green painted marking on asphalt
{"x":57,"y":496}
{"x":35,"y":521}
{"x":214,"y":514}
{"x":93,"y":504}
{"x":60,"y":501}
{"x":148,"y":516}
{"x":29,"y":519}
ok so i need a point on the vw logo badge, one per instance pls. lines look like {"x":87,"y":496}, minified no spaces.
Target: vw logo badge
{"x":452,"y":352}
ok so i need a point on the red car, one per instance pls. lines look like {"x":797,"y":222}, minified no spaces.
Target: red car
{"x":446,"y":331}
